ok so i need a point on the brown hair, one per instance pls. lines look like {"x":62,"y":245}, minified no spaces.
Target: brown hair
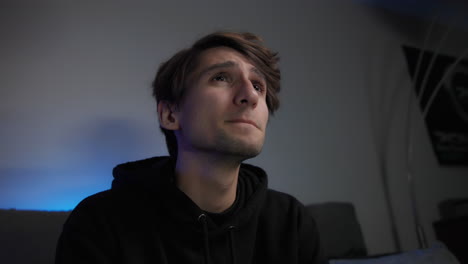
{"x":170,"y":82}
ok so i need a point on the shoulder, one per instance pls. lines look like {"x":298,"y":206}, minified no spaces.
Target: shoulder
{"x":282,"y":201}
{"x":112,"y":198}
{"x":97,"y":199}
{"x":90,"y":208}
{"x":280,"y":196}
{"x":94,"y":230}
{"x":290,"y":214}
{"x":101,"y":201}
{"x":283,"y":207}
{"x":106,"y":206}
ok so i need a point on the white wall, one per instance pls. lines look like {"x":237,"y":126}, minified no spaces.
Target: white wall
{"x":75,"y":101}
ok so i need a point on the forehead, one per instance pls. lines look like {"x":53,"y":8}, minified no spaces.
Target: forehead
{"x":218,"y":55}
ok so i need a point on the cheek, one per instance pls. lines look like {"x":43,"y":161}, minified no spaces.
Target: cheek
{"x":264,"y":114}
{"x":200,"y":116}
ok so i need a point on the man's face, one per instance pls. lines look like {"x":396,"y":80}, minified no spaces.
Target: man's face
{"x":224,"y":109}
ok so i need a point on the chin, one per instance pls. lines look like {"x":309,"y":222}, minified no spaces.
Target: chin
{"x":241,"y":152}
{"x":237,"y":147}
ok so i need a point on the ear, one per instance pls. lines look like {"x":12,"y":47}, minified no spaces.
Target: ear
{"x":168,"y":116}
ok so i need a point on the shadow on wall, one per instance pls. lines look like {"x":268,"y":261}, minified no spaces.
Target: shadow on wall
{"x":82,"y":166}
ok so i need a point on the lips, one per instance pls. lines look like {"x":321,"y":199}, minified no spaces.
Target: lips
{"x":246,"y":121}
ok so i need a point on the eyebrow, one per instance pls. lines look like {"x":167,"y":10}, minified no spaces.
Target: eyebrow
{"x":228,"y":64}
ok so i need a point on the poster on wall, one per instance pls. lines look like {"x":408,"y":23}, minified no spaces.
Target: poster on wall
{"x":447,"y":113}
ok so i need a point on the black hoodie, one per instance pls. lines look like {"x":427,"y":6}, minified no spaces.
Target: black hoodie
{"x":145,"y":218}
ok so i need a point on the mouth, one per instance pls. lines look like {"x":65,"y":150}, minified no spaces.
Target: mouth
{"x":244,"y":121}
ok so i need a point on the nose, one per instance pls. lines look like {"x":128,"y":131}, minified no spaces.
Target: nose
{"x":246,"y":93}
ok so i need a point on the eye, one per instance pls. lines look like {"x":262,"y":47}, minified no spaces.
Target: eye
{"x":220,"y":77}
{"x":259,"y":87}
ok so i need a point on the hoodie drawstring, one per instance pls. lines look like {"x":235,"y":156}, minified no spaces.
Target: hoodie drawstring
{"x":231,"y":243}
{"x":202,"y":219}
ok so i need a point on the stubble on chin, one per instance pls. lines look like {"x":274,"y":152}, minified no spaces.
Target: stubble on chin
{"x":236,"y":147}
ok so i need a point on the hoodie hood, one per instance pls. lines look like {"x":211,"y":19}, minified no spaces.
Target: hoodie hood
{"x":155,"y":176}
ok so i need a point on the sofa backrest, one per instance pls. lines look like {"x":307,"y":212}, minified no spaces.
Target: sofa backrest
{"x":29,"y":236}
{"x":339,"y":229}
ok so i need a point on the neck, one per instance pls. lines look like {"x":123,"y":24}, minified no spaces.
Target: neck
{"x":210,"y":182}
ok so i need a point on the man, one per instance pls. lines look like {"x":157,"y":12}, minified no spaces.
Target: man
{"x":201,"y":204}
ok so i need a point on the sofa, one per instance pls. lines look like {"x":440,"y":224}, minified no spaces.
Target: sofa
{"x":30,"y":237}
